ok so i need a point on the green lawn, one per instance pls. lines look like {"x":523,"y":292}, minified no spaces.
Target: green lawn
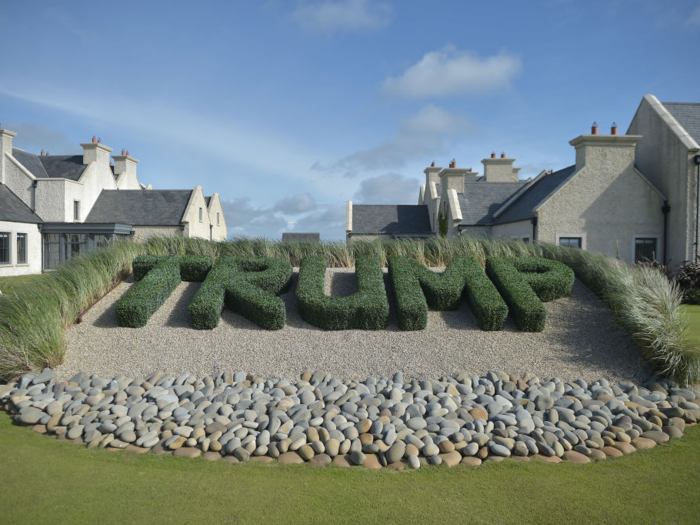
{"x":693,"y":332}
{"x":45,"y":480}
{"x":9,"y":284}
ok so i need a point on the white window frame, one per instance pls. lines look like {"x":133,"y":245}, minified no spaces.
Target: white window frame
{"x":641,"y":236}
{"x":582,"y":236}
{"x":26,"y":249}
{"x":76,"y":208}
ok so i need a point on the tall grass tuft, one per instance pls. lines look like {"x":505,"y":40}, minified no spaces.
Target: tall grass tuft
{"x":642,"y":299}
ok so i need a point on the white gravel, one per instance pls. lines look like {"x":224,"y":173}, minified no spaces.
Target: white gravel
{"x":580,"y":341}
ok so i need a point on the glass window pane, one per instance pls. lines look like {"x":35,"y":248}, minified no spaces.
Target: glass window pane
{"x":572,"y":242}
{"x":644,"y":249}
{"x":21,"y":248}
{"x":4,"y":248}
{"x":51,"y":250}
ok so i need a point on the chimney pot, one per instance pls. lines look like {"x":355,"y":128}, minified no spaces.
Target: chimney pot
{"x":99,"y":141}
{"x":47,"y":153}
{"x":94,"y":139}
{"x":493,"y":154}
{"x":594,"y":128}
{"x":503,"y":155}
{"x":432,"y":164}
{"x":123,"y":152}
{"x":42,"y":153}
{"x":453,"y":163}
{"x":127,"y":153}
{"x":613,"y":129}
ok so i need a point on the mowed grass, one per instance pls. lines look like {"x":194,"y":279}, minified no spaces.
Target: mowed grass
{"x":693,"y":331}
{"x":45,"y":480}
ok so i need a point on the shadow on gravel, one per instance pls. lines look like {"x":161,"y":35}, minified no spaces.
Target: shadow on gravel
{"x":180,"y":315}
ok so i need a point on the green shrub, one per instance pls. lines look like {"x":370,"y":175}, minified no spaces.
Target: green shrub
{"x":417,"y":288}
{"x":528,"y":311}
{"x":146,"y":296}
{"x":367,"y":309}
{"x":248,"y":286}
{"x":549,"y":279}
{"x":193,"y":268}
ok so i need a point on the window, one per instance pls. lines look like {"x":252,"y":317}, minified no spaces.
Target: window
{"x":21,"y":248}
{"x":217,"y":218}
{"x":644,"y":249}
{"x":75,"y":245}
{"x":101,"y":241}
{"x":526,"y":240}
{"x":572,"y":242}
{"x":4,"y":248}
{"x":201,"y":214}
{"x":76,"y":210}
{"x":52,"y":250}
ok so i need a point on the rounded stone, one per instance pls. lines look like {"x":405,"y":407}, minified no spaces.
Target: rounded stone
{"x":575,"y":457}
{"x":451,"y":458}
{"x":479,"y":413}
{"x":290,"y":458}
{"x":321,"y":460}
{"x":357,"y":457}
{"x":611,"y":452}
{"x":396,"y":452}
{"x":643,"y":443}
{"x":413,"y":461}
{"x":306,"y":452}
{"x":471,"y":461}
{"x":187,"y":452}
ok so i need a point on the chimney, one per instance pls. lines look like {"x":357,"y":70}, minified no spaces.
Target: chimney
{"x":500,"y":169}
{"x":6,"y":137}
{"x":42,"y":153}
{"x":432,"y":175}
{"x":493,"y":154}
{"x":95,"y":151}
{"x":613,"y":129}
{"x":125,"y":164}
{"x":453,"y":178}
{"x":453,"y":164}
{"x":594,"y":128}
{"x":605,"y":152}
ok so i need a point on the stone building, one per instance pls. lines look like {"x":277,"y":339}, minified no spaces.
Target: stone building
{"x":54,"y":207}
{"x":633,"y":196}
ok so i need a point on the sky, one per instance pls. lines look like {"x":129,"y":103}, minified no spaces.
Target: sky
{"x":288,"y":109}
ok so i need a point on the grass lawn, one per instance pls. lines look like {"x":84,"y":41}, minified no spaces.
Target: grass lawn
{"x":9,"y":284}
{"x":693,"y":332}
{"x":46,"y":480}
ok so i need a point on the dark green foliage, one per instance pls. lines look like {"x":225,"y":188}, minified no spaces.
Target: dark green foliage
{"x":417,"y":288}
{"x":145,"y":297}
{"x":525,"y":282}
{"x":367,"y":309}
{"x":193,"y":268}
{"x":248,"y":286}
{"x":549,"y":279}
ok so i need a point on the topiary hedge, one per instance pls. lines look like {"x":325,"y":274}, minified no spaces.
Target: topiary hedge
{"x":248,"y":286}
{"x":417,"y":288}
{"x":193,"y":268}
{"x":367,"y":309}
{"x":525,"y":282}
{"x":146,"y":296}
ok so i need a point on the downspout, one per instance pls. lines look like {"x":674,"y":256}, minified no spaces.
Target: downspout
{"x":697,"y":202}
{"x":665,"y":209}
{"x":534,"y":230}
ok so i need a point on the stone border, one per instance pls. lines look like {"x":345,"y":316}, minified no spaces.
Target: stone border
{"x":375,"y":423}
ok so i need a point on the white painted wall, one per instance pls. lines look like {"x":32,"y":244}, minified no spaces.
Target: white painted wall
{"x":19,"y":181}
{"x":33,"y":249}
{"x":219,"y":231}
{"x":194,"y":227}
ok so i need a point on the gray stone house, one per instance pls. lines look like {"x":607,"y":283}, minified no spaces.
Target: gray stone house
{"x":54,"y":207}
{"x":633,"y":196}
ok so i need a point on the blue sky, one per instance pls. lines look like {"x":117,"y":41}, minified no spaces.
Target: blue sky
{"x":290,"y":108}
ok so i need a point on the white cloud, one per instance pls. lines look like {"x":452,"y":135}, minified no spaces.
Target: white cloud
{"x":428,"y":133}
{"x":433,"y":119}
{"x":390,"y":188}
{"x":452,"y":72}
{"x":296,"y":204}
{"x":332,"y":16}
{"x":330,"y":220}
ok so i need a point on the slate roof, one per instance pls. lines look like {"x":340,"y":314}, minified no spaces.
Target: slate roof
{"x":140,"y":207}
{"x":481,"y":200}
{"x":521,"y":208}
{"x":391,"y":219}
{"x":13,"y":209}
{"x":301,"y":237}
{"x":688,"y":115}
{"x":55,"y":166}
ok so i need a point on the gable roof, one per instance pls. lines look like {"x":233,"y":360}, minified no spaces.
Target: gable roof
{"x":688,"y":115}
{"x":392,"y":219}
{"x":540,"y":190}
{"x":301,"y":237}
{"x":13,"y":209}
{"x":140,"y":207}
{"x":54,"y":166}
{"x":481,"y":200}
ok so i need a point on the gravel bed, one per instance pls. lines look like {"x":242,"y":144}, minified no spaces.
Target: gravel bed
{"x":580,"y":341}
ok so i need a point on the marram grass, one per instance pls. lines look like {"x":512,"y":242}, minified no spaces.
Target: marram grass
{"x":643,"y":301}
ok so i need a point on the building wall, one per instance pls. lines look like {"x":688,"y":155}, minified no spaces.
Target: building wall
{"x":19,"y":182}
{"x":220,"y":232}
{"x":476,"y":231}
{"x":193,"y":226}
{"x":608,"y":202}
{"x":51,"y":199}
{"x":666,"y":160}
{"x":33,"y":249}
{"x":517,"y":229}
{"x":142,"y":233}
{"x":96,"y":177}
